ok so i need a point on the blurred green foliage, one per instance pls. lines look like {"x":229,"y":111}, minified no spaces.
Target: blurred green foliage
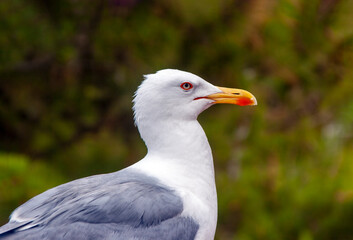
{"x":68,"y":70}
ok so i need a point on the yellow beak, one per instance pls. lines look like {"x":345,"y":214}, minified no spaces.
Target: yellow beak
{"x":233,"y":96}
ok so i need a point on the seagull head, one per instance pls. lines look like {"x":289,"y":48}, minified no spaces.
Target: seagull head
{"x":167,"y":104}
{"x":181,"y":95}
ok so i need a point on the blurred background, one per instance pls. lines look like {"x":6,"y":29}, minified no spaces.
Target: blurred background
{"x":284,"y":169}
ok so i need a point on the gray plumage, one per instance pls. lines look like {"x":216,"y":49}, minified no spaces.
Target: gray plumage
{"x":121,"y":205}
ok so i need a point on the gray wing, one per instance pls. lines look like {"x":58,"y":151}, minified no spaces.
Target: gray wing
{"x":121,"y":205}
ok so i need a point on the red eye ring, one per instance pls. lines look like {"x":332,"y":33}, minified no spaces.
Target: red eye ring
{"x":186,"y":86}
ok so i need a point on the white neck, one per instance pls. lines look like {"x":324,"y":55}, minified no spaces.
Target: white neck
{"x":180,"y":156}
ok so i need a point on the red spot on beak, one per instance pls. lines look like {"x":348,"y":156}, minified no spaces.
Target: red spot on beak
{"x":244,"y":101}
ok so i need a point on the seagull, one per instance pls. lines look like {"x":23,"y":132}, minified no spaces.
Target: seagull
{"x":170,"y":194}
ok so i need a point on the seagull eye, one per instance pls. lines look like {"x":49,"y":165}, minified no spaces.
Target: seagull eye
{"x":186,"y":86}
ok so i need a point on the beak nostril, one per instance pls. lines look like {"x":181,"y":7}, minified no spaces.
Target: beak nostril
{"x":236,"y":93}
